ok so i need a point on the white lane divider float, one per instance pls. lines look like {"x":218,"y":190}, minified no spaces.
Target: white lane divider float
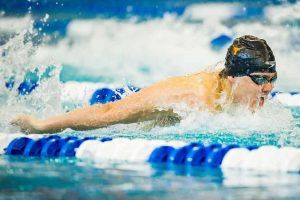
{"x":264,"y":158}
{"x":287,"y":98}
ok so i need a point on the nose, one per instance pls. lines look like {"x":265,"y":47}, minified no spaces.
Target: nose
{"x":267,"y":88}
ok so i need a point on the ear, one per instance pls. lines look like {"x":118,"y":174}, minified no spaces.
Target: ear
{"x":231,"y":80}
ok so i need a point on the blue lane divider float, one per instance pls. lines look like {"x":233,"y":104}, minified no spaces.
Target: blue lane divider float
{"x":17,"y":146}
{"x":161,"y":154}
{"x":34,"y":147}
{"x":219,"y":42}
{"x":50,"y":146}
{"x":278,"y":93}
{"x":53,"y":146}
{"x":216,"y":155}
{"x":105,"y":95}
{"x":194,"y":154}
{"x":178,"y":156}
{"x":269,"y":158}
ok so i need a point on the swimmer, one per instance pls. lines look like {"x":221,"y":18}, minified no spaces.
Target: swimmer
{"x":247,"y":79}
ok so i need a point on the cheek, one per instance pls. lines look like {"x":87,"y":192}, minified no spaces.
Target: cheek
{"x":252,"y":88}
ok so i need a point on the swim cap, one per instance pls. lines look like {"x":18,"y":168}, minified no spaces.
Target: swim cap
{"x":249,"y":54}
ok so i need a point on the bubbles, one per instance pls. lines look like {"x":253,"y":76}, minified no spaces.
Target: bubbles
{"x":45,"y":19}
{"x":17,"y":67}
{"x":239,"y":120}
{"x":283,"y":13}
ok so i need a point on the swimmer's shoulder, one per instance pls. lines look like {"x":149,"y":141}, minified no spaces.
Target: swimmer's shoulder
{"x":196,"y":81}
{"x":206,"y":76}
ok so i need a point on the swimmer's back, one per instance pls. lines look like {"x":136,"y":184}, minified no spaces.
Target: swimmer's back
{"x":196,"y":90}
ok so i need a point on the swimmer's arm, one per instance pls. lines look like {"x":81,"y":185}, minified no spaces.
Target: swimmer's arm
{"x":137,"y":107}
{"x":128,"y":110}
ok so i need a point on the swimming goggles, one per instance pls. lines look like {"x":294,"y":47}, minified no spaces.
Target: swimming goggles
{"x":262,"y":79}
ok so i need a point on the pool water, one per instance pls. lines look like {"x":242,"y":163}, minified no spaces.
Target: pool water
{"x":71,"y":178}
{"x":63,"y":51}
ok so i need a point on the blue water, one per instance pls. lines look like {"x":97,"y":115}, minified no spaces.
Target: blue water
{"x":70,"y":178}
{"x":142,"y":42}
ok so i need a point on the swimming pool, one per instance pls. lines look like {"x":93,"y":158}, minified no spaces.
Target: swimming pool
{"x":69,"y":177}
{"x":75,"y":49}
{"x":75,"y":178}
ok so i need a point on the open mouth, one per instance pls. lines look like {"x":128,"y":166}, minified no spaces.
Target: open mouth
{"x":261,"y":100}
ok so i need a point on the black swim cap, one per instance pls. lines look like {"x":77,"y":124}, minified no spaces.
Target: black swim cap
{"x":249,"y":54}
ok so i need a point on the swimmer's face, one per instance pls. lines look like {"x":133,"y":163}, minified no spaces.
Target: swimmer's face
{"x":252,"y":94}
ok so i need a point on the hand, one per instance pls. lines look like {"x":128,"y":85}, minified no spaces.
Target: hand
{"x":27,"y":124}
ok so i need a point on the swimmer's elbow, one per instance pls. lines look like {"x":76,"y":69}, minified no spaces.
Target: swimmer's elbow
{"x":103,"y":108}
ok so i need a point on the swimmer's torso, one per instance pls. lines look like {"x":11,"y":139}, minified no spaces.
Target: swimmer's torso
{"x":204,"y":90}
{"x":199,"y":91}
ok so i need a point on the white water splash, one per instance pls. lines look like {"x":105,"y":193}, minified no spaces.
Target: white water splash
{"x":272,"y":118}
{"x":145,"y":52}
{"x":16,"y":60}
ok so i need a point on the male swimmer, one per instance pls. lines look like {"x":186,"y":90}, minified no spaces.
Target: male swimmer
{"x":247,"y":79}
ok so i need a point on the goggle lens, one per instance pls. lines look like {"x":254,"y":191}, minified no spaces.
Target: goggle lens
{"x":261,"y":79}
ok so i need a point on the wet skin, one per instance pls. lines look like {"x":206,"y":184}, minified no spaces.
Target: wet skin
{"x":249,"y":93}
{"x":199,"y":91}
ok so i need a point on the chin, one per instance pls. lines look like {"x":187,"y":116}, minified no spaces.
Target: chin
{"x":261,"y":101}
{"x":255,"y":104}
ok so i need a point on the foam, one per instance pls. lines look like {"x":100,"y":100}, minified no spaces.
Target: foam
{"x":17,"y":60}
{"x":207,"y":12}
{"x":288,"y":99}
{"x":148,"y":51}
{"x":283,"y":13}
{"x":75,"y":93}
{"x":15,"y":24}
{"x":145,"y":52}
